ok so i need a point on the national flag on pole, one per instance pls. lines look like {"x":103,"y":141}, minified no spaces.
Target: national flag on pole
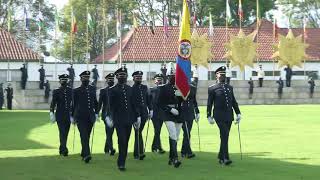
{"x":228,"y":12}
{"x":240,"y":11}
{"x":74,"y":27}
{"x":57,"y":21}
{"x":258,"y":13}
{"x":26,"y":19}
{"x":151,"y":26}
{"x":165,"y":27}
{"x":275,"y":29}
{"x":40,"y":20}
{"x":210,"y":26}
{"x":90,"y":22}
{"x":118,"y":24}
{"x":9,"y":18}
{"x":305,"y":28}
{"x":183,"y":64}
{"x":135,"y":22}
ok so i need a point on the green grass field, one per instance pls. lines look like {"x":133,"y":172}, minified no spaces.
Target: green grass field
{"x":279,"y":142}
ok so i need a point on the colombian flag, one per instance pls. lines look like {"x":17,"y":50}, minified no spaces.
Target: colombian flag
{"x":183,"y":67}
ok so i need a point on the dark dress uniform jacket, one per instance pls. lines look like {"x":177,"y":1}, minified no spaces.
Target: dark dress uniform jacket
{"x":189,"y":107}
{"x":85,"y":103}
{"x":221,"y":95}
{"x":62,"y":99}
{"x":168,"y":100}
{"x":141,"y":100}
{"x":154,"y":96}
{"x":104,"y":102}
{"x":123,"y":111}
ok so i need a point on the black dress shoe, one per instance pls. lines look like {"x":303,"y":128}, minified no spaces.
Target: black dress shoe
{"x":189,"y":156}
{"x":161,"y":151}
{"x":112,"y":152}
{"x":154,"y":150}
{"x":142,"y":157}
{"x":176,"y":163}
{"x":170,"y":162}
{"x":121,"y":168}
{"x":87,"y":159}
{"x":227,"y":162}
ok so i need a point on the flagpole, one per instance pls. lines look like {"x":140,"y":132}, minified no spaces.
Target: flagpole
{"x":39,"y":35}
{"x":274,"y":41}
{"x":71,"y":35}
{"x":304,"y":42}
{"x":103,"y":36}
{"x":226,"y":32}
{"x":87,"y":38}
{"x":120,"y":38}
{"x":55,"y":44}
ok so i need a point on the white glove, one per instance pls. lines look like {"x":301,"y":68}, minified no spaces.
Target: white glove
{"x":150,"y":113}
{"x":109,"y":122}
{"x":137,"y":123}
{"x":97,"y":118}
{"x":174,"y":111}
{"x":52,"y":117}
{"x":197,"y":117}
{"x":211,"y":120}
{"x":238,"y":119}
{"x":72,"y":120}
{"x":177,"y":93}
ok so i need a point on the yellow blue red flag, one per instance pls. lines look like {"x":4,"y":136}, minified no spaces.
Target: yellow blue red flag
{"x":183,"y":64}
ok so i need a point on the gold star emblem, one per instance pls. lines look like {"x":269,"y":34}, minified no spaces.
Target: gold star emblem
{"x":241,"y":50}
{"x":201,"y":49}
{"x":290,"y":50}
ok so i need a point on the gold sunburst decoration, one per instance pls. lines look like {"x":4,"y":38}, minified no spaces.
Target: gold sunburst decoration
{"x":290,"y":50}
{"x":241,"y":50}
{"x":201,"y":49}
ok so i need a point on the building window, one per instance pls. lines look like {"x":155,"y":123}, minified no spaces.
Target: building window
{"x":234,"y":74}
{"x":211,"y":75}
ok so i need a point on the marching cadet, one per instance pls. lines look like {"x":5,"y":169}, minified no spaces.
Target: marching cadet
{"x":157,"y":117}
{"x":144,"y":110}
{"x":71,"y":75}
{"x":280,"y":88}
{"x":170,"y":104}
{"x":9,"y":91}
{"x":85,"y":112}
{"x":104,"y":104}
{"x":311,"y":88}
{"x":251,"y":86}
{"x":42,"y":73}
{"x":24,"y":76}
{"x":288,"y":75}
{"x":61,"y":110}
{"x":261,"y":74}
{"x":1,"y":96}
{"x":95,"y":75}
{"x":47,"y":91}
{"x":221,"y":96}
{"x":122,"y":114}
{"x":190,"y":110}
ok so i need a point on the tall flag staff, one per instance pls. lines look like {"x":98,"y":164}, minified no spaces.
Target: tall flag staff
{"x":211,"y":33}
{"x":74,"y":30}
{"x":152,"y":30}
{"x":119,"y":18}
{"x":89,"y":21}
{"x":40,"y":27}
{"x":275,"y":36}
{"x":228,"y":20}
{"x":104,"y":34}
{"x":305,"y":36}
{"x":56,"y":18}
{"x":258,"y":26}
{"x":135,"y":31}
{"x":9,"y":29}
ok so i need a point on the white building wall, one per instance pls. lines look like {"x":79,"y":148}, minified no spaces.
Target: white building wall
{"x":53,"y":70}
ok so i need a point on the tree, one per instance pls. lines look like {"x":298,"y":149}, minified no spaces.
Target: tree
{"x":297,"y":10}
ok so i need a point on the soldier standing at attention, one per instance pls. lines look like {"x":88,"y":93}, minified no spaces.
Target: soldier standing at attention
{"x":42,"y":73}
{"x":104,"y":104}
{"x":95,"y":75}
{"x":221,"y":99}
{"x":9,"y":91}
{"x":251,"y":86}
{"x":190,"y":110}
{"x":85,"y":112}
{"x":280,"y":88}
{"x":123,"y":114}
{"x":157,"y":117}
{"x":71,"y":75}
{"x":170,"y":105}
{"x":1,"y":96}
{"x":61,"y":110}
{"x":288,"y":75}
{"x":261,"y":74}
{"x":24,"y":76}
{"x":143,"y":106}
{"x":47,"y":91}
{"x":312,"y":85}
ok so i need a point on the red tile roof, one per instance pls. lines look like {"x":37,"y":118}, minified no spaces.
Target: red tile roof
{"x":143,"y":46}
{"x":12,"y":50}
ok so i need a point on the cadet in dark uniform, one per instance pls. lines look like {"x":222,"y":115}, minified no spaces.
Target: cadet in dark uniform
{"x":251,"y":86}
{"x":24,"y":76}
{"x":190,"y":110}
{"x":157,"y":117}
{"x":123,"y":114}
{"x":104,"y":104}
{"x":1,"y":96}
{"x":95,"y":75}
{"x":170,"y":105}
{"x":42,"y":73}
{"x":71,"y":75}
{"x":280,"y":88}
{"x":61,"y":110}
{"x":143,"y":106}
{"x":221,"y":96}
{"x":164,"y":73}
{"x":47,"y":91}
{"x":311,"y":88}
{"x":9,"y":91}
{"x":288,"y":75}
{"x":85,"y":112}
